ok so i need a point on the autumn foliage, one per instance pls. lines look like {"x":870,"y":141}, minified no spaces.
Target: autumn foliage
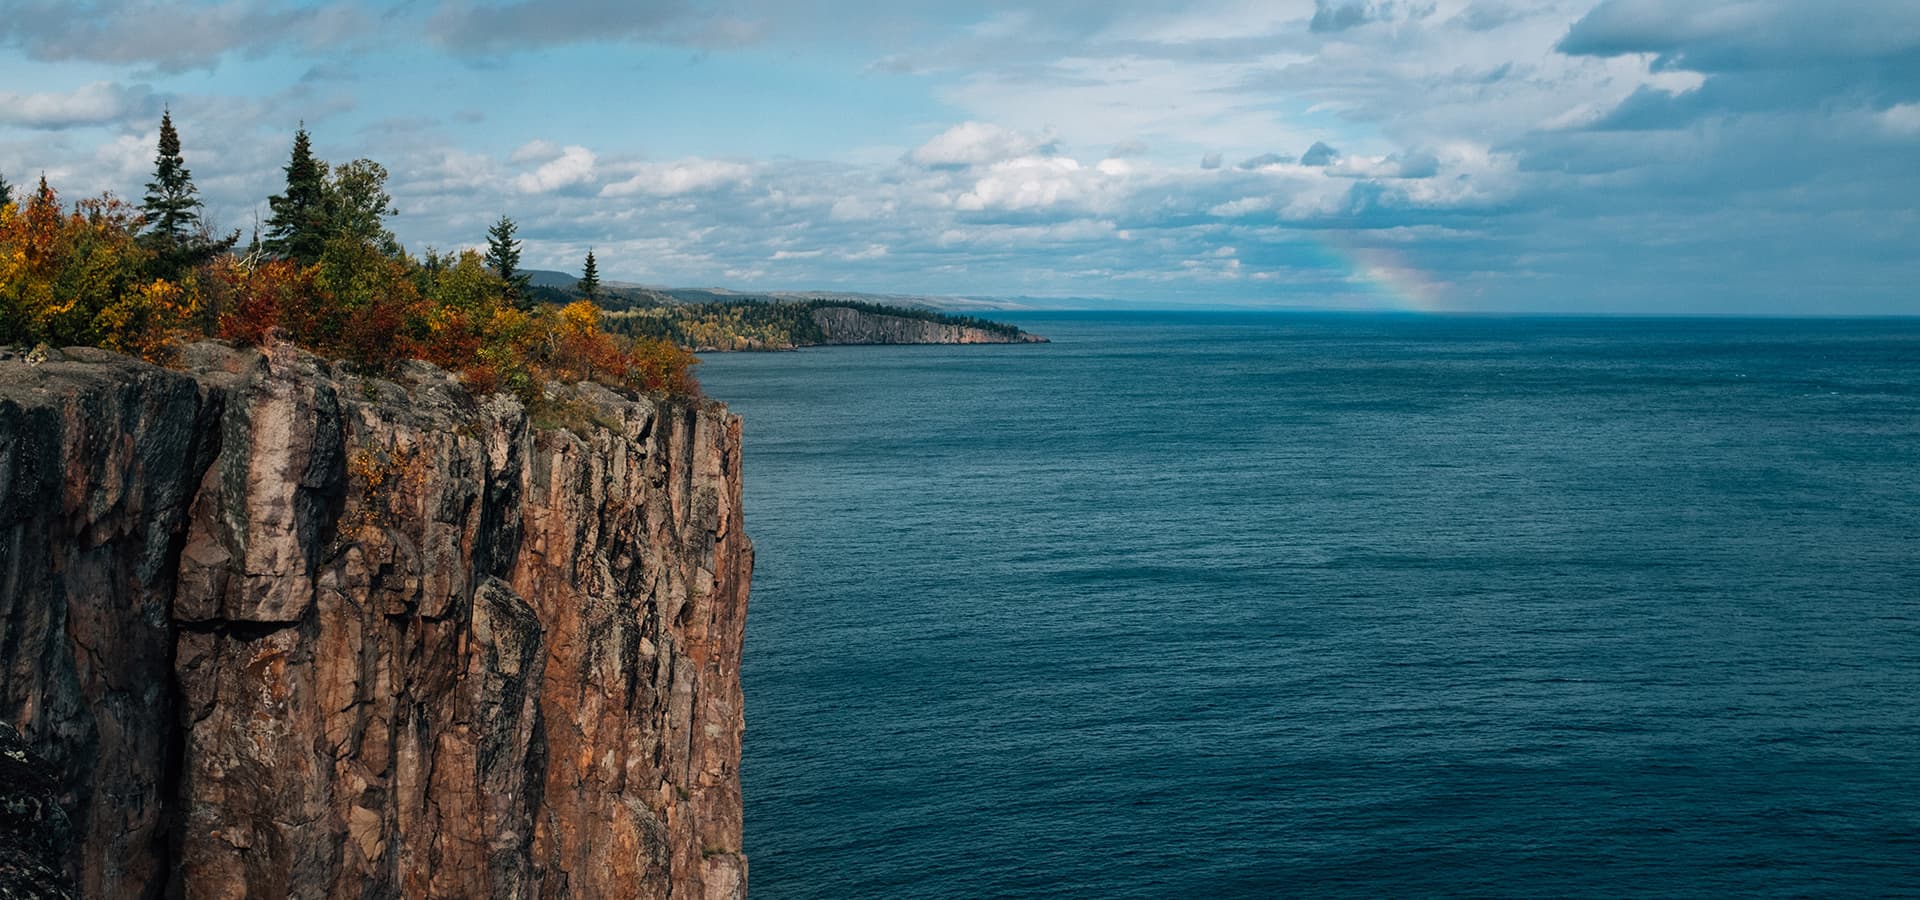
{"x":78,"y":275}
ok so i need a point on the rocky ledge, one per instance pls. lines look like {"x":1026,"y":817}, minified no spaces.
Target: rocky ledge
{"x":281,"y":630}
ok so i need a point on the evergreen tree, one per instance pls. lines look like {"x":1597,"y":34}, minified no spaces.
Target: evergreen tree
{"x":6,"y":190}
{"x":503,"y":257}
{"x":590,"y":280}
{"x":297,"y":229}
{"x":175,"y":233}
{"x":171,"y":207}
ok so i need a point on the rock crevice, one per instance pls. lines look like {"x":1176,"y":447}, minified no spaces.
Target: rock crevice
{"x":284,"y":630}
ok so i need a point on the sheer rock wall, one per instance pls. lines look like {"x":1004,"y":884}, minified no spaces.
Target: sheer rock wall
{"x":282,"y":630}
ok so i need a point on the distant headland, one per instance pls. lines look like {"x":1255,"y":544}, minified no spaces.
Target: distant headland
{"x":717,"y":320}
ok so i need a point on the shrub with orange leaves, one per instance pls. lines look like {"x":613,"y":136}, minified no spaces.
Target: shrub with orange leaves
{"x":251,"y":300}
{"x":578,"y":350}
{"x":663,"y":367}
{"x":73,"y":277}
{"x":146,"y":319}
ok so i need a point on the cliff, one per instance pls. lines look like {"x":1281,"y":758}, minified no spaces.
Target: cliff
{"x":764,"y":325}
{"x":33,"y":828}
{"x":843,"y":325}
{"x":284,"y":631}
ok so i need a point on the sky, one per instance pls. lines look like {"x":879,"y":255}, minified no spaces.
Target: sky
{"x":1621,"y":156}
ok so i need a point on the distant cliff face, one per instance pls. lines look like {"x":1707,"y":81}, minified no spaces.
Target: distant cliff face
{"x":842,"y":325}
{"x":282,"y":631}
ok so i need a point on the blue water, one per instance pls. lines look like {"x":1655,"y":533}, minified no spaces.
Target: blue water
{"x":1315,"y":605}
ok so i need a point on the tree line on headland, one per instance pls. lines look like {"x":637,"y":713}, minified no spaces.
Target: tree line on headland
{"x":763,"y":324}
{"x":326,"y":274}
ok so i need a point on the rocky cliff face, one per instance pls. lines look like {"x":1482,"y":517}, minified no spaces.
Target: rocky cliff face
{"x":285,"y":631}
{"x":842,"y":325}
{"x":33,"y":828}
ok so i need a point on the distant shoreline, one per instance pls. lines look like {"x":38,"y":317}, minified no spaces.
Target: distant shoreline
{"x":762,"y":326}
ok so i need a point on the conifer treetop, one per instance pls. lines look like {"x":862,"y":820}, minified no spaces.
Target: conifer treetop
{"x":172,"y":205}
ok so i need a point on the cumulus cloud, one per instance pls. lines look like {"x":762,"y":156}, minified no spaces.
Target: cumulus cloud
{"x":573,"y":166}
{"x":973,"y":144}
{"x":682,"y":177}
{"x":1030,"y":182}
{"x":100,"y":103}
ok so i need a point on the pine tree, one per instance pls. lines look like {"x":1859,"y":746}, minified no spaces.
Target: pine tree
{"x":590,"y":280}
{"x":171,"y":207}
{"x":297,"y":229}
{"x":175,"y":231}
{"x":503,"y":257}
{"x":6,"y":190}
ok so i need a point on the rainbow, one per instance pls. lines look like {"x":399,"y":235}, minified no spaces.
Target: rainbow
{"x":1385,"y":276}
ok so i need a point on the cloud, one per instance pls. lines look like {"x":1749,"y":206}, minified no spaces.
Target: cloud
{"x":1264,"y":160}
{"x":1749,"y":35}
{"x":171,"y":36}
{"x":1340,"y":15}
{"x":1760,"y":58}
{"x":536,"y":150}
{"x":682,"y":177}
{"x":1029,"y":183}
{"x":1901,"y":119}
{"x":573,"y":166}
{"x":1486,"y":16}
{"x":1319,"y":155}
{"x":973,"y":144}
{"x":465,"y":26}
{"x":1393,"y":165}
{"x":100,"y":103}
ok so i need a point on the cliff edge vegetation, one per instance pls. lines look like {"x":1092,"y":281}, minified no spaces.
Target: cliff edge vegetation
{"x":326,"y":275}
